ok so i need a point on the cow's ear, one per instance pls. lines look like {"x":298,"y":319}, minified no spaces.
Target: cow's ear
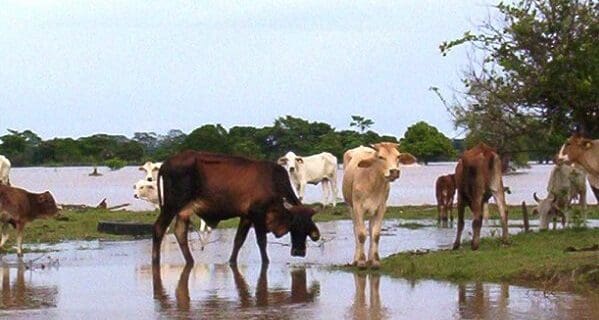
{"x":314,"y":234}
{"x":299,"y":160}
{"x":366,"y":162}
{"x":282,"y":161}
{"x":142,"y":169}
{"x":406,"y":158}
{"x":374,"y":146}
{"x":276,"y":225}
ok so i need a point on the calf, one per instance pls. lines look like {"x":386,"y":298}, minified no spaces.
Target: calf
{"x":445,"y":192}
{"x":478,"y":177}
{"x":4,"y":170}
{"x":148,"y":191}
{"x":218,"y":187}
{"x":19,"y":207}
{"x":366,"y":184}
{"x":315,"y":169}
{"x":151,"y":170}
{"x":565,"y":183}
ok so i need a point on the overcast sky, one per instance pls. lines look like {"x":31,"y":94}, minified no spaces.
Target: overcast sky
{"x":74,"y":68}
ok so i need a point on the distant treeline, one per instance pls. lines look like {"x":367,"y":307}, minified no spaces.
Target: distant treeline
{"x":287,"y":133}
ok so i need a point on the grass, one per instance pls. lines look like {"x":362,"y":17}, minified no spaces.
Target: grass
{"x":534,"y":258}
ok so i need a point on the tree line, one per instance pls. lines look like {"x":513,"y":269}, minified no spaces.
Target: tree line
{"x":304,"y":137}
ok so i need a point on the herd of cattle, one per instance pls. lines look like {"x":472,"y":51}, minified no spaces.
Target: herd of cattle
{"x":216,"y":187}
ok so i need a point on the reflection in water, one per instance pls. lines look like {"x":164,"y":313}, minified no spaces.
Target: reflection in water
{"x":360,"y":309}
{"x":20,"y":295}
{"x":246,"y":303}
{"x":476,"y":301}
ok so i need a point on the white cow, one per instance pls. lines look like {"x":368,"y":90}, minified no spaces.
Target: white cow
{"x":366,"y":185}
{"x":151,"y":169}
{"x":565,"y":183}
{"x":4,"y":170}
{"x":148,"y":191}
{"x":318,"y":168}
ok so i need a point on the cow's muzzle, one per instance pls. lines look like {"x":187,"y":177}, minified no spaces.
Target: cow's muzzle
{"x":393,"y":174}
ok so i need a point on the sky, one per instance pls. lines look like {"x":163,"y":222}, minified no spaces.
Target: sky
{"x":76,"y":68}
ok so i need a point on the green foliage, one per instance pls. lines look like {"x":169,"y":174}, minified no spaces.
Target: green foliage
{"x":361,"y":123}
{"x":537,"y":78}
{"x":115,"y":163}
{"x":427,"y":144}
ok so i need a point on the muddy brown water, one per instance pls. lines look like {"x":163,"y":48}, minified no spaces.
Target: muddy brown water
{"x":99,"y":280}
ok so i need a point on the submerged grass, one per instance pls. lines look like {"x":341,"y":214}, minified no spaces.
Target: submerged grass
{"x":534,"y":258}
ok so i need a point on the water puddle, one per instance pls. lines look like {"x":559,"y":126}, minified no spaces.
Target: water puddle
{"x":116,"y":280}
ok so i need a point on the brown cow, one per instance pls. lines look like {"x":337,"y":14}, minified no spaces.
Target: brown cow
{"x":218,"y":187}
{"x":478,"y":177}
{"x":445,"y":192}
{"x":585,"y":153}
{"x":19,"y":207}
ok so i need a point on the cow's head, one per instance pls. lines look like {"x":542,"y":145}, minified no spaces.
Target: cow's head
{"x":145,"y":190}
{"x":151,"y":169}
{"x":388,"y":158}
{"x":545,"y":209}
{"x":297,"y":220}
{"x":47,"y":205}
{"x":573,"y":149}
{"x":291,"y":162}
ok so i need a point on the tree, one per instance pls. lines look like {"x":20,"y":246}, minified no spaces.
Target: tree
{"x":361,"y":123}
{"x":426,"y":143}
{"x":208,"y":137}
{"x":538,"y":77}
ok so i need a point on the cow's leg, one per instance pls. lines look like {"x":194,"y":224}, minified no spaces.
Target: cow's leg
{"x":4,"y":234}
{"x":242,"y":232}
{"x":325,"y":192}
{"x":582,"y":201}
{"x":181,"y":229}
{"x":499,"y":197}
{"x":302,"y":190}
{"x":205,"y":232}
{"x":333,"y":182}
{"x":375,"y":235}
{"x":360,"y":237}
{"x":485,"y":209}
{"x":461,"y":208}
{"x":20,"y":227}
{"x":164,"y":219}
{"x":476,"y":206}
{"x":261,"y":232}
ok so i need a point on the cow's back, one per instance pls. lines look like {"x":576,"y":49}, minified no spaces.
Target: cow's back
{"x":479,"y":169}
{"x":365,"y":185}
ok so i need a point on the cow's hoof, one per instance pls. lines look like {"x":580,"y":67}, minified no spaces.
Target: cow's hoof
{"x":375,"y":264}
{"x":361,"y":264}
{"x":456,"y":246}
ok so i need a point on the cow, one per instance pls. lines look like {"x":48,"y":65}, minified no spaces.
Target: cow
{"x":19,"y":207}
{"x":218,"y":187}
{"x":4,"y":170}
{"x":315,"y":169}
{"x":565,"y":183}
{"x":366,"y":184}
{"x":478,"y":177}
{"x":148,"y":191}
{"x":585,"y":153}
{"x":151,"y":170}
{"x":445,"y":192}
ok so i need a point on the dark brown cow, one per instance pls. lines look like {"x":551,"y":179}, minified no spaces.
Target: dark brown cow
{"x":478,"y":177}
{"x":19,"y":207}
{"x":218,"y":187}
{"x":445,"y":192}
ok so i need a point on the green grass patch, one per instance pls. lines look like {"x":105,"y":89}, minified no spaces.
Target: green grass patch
{"x":537,"y":258}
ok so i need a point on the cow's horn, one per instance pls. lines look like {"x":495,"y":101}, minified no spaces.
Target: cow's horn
{"x":534,"y":195}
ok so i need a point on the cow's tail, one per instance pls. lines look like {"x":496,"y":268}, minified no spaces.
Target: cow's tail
{"x":160,"y":186}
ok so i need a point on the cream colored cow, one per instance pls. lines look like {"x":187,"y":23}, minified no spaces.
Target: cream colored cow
{"x":366,"y":184}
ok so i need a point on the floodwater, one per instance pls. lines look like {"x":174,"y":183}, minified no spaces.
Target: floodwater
{"x":72,"y":185}
{"x":94,"y":279}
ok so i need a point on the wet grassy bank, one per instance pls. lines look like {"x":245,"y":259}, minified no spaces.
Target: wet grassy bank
{"x":555,"y":260}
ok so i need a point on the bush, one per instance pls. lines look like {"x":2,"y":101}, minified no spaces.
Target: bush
{"x":115,"y":163}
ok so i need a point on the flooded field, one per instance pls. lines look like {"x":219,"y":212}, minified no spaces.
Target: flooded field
{"x":116,"y":280}
{"x":72,"y":185}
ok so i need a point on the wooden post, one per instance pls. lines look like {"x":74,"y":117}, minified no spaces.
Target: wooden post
{"x":525,"y":216}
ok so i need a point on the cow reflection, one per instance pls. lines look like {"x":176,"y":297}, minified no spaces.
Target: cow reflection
{"x":478,"y":301}
{"x":21,"y":296}
{"x":361,"y":309}
{"x":263,"y":296}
